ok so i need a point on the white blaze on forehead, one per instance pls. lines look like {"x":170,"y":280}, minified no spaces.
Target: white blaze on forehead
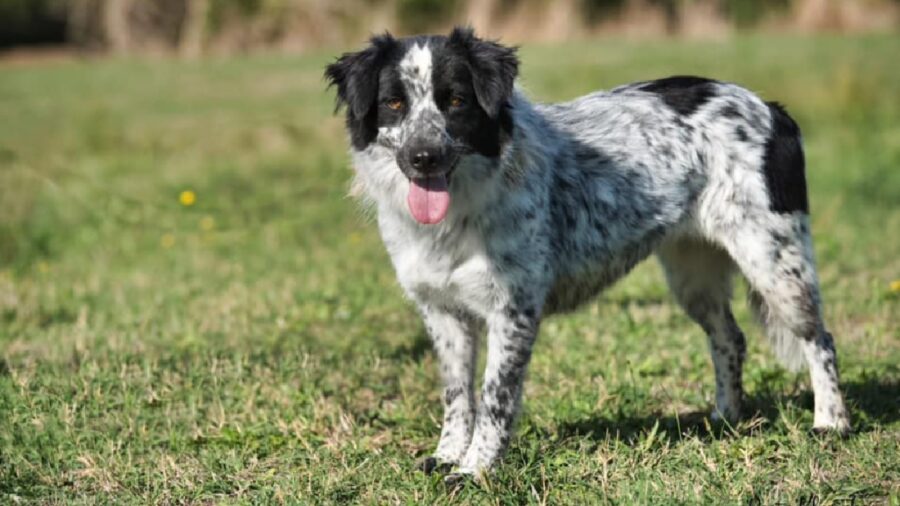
{"x":415,"y":72}
{"x":417,"y":62}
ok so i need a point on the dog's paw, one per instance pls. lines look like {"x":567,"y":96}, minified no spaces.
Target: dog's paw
{"x":457,"y":480}
{"x":841,"y":431}
{"x":833,"y":420}
{"x":463,"y":476}
{"x":430,"y":464}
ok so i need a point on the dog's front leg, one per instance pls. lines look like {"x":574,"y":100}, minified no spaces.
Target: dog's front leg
{"x":511,"y":334}
{"x":453,"y":334}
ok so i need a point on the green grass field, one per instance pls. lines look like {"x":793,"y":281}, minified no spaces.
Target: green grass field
{"x":253,"y":347}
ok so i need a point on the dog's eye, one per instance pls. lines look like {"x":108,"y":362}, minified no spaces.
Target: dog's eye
{"x":456,"y":101}
{"x":394,"y":104}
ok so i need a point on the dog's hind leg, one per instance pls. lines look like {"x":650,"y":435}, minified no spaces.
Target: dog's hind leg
{"x":453,"y":334}
{"x":775,"y":253}
{"x":699,"y":275}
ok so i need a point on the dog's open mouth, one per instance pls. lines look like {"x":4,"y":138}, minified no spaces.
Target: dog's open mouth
{"x":429,"y":199}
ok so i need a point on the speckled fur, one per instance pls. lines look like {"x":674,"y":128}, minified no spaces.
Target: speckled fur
{"x":580,"y":193}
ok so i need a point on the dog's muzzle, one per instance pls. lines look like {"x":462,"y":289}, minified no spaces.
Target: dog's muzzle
{"x":428,"y":165}
{"x":423,"y":159}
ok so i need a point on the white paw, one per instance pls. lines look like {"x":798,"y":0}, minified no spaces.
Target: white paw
{"x":836,"y":421}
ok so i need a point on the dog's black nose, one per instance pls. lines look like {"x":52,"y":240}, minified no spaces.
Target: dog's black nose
{"x":425,"y":159}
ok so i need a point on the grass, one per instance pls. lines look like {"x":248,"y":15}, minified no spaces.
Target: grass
{"x":253,"y":347}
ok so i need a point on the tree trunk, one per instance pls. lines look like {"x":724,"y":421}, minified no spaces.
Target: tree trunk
{"x":193,"y":28}
{"x":115,"y":25}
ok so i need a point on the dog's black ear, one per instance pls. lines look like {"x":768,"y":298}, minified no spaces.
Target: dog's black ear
{"x":494,"y":68}
{"x":356,"y":75}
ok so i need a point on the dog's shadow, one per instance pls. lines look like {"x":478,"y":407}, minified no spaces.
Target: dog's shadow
{"x":872,"y":402}
{"x":415,"y":349}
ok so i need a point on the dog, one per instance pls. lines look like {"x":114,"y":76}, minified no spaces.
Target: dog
{"x":498,"y":212}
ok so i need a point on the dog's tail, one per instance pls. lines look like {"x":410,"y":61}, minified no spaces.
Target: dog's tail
{"x":787,"y":347}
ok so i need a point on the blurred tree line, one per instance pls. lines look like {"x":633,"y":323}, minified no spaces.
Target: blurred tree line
{"x":197,"y":26}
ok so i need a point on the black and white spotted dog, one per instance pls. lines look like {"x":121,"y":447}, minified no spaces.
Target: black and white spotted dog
{"x":497,"y":212}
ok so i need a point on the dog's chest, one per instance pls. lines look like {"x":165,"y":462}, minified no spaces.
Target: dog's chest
{"x":449,"y":271}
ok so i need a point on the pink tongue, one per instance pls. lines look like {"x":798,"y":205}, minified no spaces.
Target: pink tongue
{"x":428,"y":199}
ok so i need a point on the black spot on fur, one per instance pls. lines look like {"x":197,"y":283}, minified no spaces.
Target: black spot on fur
{"x":684,"y":94}
{"x":667,"y":152}
{"x":685,"y":130}
{"x":590,"y":158}
{"x":784,"y":165}
{"x":781,"y":240}
{"x":731,"y":111}
{"x":451,"y":394}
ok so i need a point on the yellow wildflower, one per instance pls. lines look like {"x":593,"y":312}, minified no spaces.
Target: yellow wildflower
{"x":207,"y":223}
{"x":167,"y":241}
{"x":187,"y":198}
{"x":895,"y":286}
{"x":43,"y":266}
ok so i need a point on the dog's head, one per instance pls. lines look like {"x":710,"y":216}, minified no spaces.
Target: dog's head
{"x":431,"y":102}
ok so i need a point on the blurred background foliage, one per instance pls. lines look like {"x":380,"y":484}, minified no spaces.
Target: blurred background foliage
{"x":194,"y":27}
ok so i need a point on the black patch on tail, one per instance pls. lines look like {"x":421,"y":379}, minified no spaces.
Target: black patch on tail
{"x":684,"y":94}
{"x":784,"y":165}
